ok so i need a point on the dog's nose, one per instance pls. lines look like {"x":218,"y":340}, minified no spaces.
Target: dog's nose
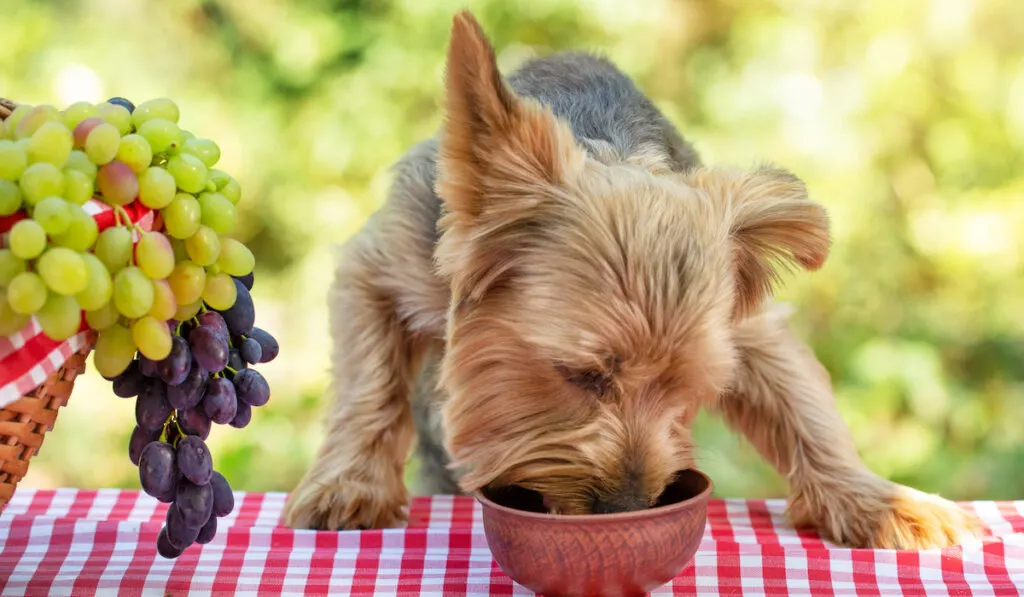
{"x":620,"y":501}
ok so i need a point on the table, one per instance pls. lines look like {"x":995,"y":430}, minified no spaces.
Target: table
{"x":102,"y":542}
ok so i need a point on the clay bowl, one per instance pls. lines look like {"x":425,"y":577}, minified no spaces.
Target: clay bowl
{"x":608,"y":555}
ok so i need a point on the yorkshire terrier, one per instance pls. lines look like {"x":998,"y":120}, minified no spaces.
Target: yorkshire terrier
{"x":554,"y":288}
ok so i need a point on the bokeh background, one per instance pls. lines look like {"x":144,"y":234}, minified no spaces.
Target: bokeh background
{"x":906,"y":119}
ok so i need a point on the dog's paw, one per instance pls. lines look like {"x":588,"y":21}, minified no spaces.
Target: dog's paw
{"x":340,"y":505}
{"x":918,"y":520}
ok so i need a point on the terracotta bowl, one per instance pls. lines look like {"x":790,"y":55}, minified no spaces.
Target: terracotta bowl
{"x":596,"y":554}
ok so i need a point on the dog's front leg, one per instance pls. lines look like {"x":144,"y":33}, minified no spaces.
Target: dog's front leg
{"x":782,"y":402}
{"x":356,"y":481}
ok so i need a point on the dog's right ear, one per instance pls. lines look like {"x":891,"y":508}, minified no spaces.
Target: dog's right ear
{"x":500,"y":153}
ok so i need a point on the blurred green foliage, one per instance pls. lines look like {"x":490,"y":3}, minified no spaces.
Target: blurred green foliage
{"x":906,"y":119}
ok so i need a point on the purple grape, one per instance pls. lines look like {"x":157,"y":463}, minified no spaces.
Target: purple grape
{"x":242,"y":315}
{"x":223,"y":499}
{"x":168,"y":498}
{"x":188,"y":393}
{"x":268,"y":344}
{"x":235,"y":360}
{"x":194,"y":460}
{"x":178,"y":363}
{"x":194,"y":503}
{"x":213,"y":319}
{"x":152,"y":408}
{"x":243,"y":414}
{"x":120,"y":101}
{"x":251,"y":387}
{"x":208,"y":531}
{"x":180,"y":534}
{"x":209,"y":348}
{"x":164,"y":546}
{"x":194,"y":421}
{"x":247,"y":280}
{"x":139,"y":440}
{"x":148,"y":367}
{"x":129,"y":383}
{"x":158,"y":471}
{"x":220,"y":402}
{"x":251,"y":351}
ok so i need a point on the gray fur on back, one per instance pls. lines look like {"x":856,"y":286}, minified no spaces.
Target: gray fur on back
{"x":602,"y":106}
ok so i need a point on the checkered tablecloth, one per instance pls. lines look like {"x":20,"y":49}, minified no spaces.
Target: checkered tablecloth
{"x":28,"y":357}
{"x":78,"y":542}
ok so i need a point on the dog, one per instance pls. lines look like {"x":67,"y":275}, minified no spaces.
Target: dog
{"x":554,"y":288}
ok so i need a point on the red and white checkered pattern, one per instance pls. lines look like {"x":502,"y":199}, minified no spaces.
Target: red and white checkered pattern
{"x":78,"y":542}
{"x":28,"y":357}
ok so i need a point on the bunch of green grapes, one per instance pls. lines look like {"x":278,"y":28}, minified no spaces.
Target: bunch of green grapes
{"x":134,"y":286}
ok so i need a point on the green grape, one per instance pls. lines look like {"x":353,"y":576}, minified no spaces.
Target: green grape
{"x":187,"y":281}
{"x":13,"y":160}
{"x":114,"y":248}
{"x":63,"y":270}
{"x":218,"y":178}
{"x":154,"y":255}
{"x":117,"y":183}
{"x":235,"y":258}
{"x":16,"y":117}
{"x":83,"y":130}
{"x":180,"y":252}
{"x":4,"y":132}
{"x":10,"y":265}
{"x":219,"y":292}
{"x":78,"y":188}
{"x":51,"y":143}
{"x":102,"y":143}
{"x":152,"y":337}
{"x":60,"y":317}
{"x":35,"y":118}
{"x":155,"y":108}
{"x":81,"y":232}
{"x":98,"y":286}
{"x":77,"y":112}
{"x":118,"y":116}
{"x":27,"y":239}
{"x":217,"y":212}
{"x":162,"y":134}
{"x":203,"y":246}
{"x":134,"y":151}
{"x":53,"y":215}
{"x":186,"y":312}
{"x":204,"y":149}
{"x":41,"y":180}
{"x":26,"y":293}
{"x":156,"y":188}
{"x":114,"y":351}
{"x":11,"y":321}
{"x":102,"y":318}
{"x":181,"y":217}
{"x":165,"y":306}
{"x":188,"y":172}
{"x":10,"y":197}
{"x":232,"y":190}
{"x":133,"y":292}
{"x":79,"y":162}
{"x":212,"y":270}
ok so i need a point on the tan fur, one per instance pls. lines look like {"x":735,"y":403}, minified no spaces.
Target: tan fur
{"x":589,"y":305}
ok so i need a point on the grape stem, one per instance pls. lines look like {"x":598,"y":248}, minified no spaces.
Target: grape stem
{"x":177,"y":330}
{"x":233,"y":372}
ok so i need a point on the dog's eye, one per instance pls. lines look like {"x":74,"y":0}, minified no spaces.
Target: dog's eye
{"x":593,"y":381}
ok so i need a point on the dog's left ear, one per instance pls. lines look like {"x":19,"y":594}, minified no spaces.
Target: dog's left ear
{"x":500,"y":153}
{"x":772,"y":226}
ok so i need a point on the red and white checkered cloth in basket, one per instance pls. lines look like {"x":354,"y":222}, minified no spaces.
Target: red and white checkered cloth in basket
{"x":77,"y":542}
{"x":28,"y":357}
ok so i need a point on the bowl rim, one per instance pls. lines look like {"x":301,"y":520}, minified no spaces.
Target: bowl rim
{"x":618,"y":516}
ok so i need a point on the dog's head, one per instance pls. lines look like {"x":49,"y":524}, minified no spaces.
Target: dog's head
{"x":592,"y":302}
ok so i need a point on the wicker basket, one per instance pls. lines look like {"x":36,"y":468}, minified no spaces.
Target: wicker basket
{"x":24,"y":422}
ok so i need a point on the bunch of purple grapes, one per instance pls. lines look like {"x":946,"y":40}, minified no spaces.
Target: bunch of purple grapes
{"x":205,"y":379}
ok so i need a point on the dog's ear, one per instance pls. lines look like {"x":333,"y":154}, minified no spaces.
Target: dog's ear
{"x":500,"y":153}
{"x":772,"y":225}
